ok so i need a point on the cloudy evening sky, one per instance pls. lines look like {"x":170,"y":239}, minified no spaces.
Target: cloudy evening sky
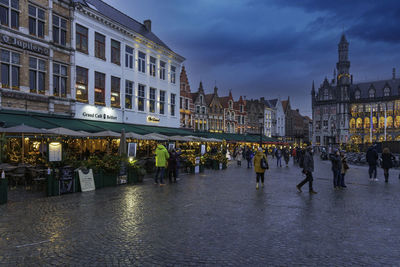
{"x":277,"y":47}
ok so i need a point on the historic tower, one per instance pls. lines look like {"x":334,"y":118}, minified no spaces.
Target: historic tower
{"x":343,"y":65}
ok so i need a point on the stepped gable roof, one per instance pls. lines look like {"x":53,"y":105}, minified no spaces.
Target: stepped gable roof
{"x":121,"y":18}
{"x":393,"y":84}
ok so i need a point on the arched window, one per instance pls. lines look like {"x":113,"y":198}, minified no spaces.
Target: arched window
{"x":371,"y":93}
{"x":359,"y":123}
{"x":230,"y":104}
{"x":397,"y":122}
{"x":374,"y":122}
{"x":352,"y":123}
{"x":233,"y":116}
{"x":382,"y":122}
{"x":389,"y":122}
{"x":228,"y":115}
{"x":386,"y":91}
{"x":357,"y":94}
{"x":367,"y":123}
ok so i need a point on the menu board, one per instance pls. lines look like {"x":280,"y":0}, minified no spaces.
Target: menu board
{"x":86,"y":180}
{"x":55,"y":151}
{"x":203,"y":149}
{"x":132,"y":149}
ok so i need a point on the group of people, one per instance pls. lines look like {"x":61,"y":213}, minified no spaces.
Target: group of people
{"x":166,"y":161}
{"x":386,"y":162}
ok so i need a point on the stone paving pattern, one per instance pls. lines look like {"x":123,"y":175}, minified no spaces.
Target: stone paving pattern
{"x":213,"y":219}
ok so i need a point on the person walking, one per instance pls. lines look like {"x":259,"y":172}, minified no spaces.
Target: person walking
{"x":238,"y":155}
{"x":286,"y":156}
{"x":387,"y":162}
{"x":162,"y":156}
{"x":308,"y":169}
{"x":260,"y":165}
{"x":372,"y":158}
{"x":336,"y":168}
{"x":345,"y":167}
{"x":172,"y":166}
{"x":249,"y":156}
{"x":278,"y":155}
{"x":294,"y":155}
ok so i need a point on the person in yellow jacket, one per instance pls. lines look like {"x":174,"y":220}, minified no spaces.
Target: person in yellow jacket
{"x":162,"y":156}
{"x":259,"y":166}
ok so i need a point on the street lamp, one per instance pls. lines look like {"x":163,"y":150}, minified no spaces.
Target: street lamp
{"x":261,"y":121}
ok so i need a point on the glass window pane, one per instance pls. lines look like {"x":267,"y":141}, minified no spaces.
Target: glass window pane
{"x":64,"y":70}
{"x":56,"y":68}
{"x":63,"y":23}
{"x":5,"y":75}
{"x":41,"y":82}
{"x":14,"y":19}
{"x":56,"y":35}
{"x":40,"y":28}
{"x":63,"y":86}
{"x":32,"y":80}
{"x":56,"y":20}
{"x":129,"y":49}
{"x":4,"y":2}
{"x":15,"y":4}
{"x":63,"y":37}
{"x":56,"y":85}
{"x":15,"y":77}
{"x":42,"y":65}
{"x":3,"y":15}
{"x":32,"y":26}
{"x":40,"y":13}
{"x":5,"y":56}
{"x":32,"y":10}
{"x":32,"y":63}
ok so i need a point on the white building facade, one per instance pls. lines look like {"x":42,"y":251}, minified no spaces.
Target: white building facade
{"x":277,"y":126}
{"x":268,"y":116}
{"x":121,"y":71}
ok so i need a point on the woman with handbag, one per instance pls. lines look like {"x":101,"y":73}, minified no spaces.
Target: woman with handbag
{"x":260,"y":165}
{"x":387,"y":162}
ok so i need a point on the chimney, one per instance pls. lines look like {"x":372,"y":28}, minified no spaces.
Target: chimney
{"x":147,"y":24}
{"x":394,"y":73}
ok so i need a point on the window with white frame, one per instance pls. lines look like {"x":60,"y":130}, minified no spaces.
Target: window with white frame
{"x":60,"y":76}
{"x":10,"y":65}
{"x":152,"y":100}
{"x":59,"y":30}
{"x":386,"y":91}
{"x":142,"y":62}
{"x":162,"y":102}
{"x":172,"y":102}
{"x":115,"y":92}
{"x":357,"y":94}
{"x":37,"y":75}
{"x":129,"y":57}
{"x":371,"y":93}
{"x":173,"y":74}
{"x":162,"y":70}
{"x":115,"y":52}
{"x":128,"y":94}
{"x":153,"y":66}
{"x":9,"y":13}
{"x":36,"y":21}
{"x":141,"y":97}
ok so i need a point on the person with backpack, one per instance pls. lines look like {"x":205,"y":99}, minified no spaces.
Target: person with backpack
{"x":387,"y":162}
{"x":308,"y":168}
{"x":372,"y":158}
{"x":172,"y":166}
{"x":260,"y":165}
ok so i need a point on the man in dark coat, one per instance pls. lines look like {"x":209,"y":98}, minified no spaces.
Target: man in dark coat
{"x":336,"y":168}
{"x":308,"y":168}
{"x":372,"y":159}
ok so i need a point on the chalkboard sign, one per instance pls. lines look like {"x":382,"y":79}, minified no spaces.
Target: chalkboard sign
{"x":66,"y":180}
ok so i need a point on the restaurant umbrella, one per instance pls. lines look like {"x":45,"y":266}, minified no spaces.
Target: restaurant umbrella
{"x":134,"y":136}
{"x":24,"y":129}
{"x":155,"y":136}
{"x":65,"y":131}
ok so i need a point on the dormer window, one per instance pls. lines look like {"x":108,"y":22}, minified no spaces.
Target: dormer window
{"x":357,"y":94}
{"x":371,"y":93}
{"x":230,"y":104}
{"x":201,"y":100}
{"x":386,"y":91}
{"x":326,"y":94}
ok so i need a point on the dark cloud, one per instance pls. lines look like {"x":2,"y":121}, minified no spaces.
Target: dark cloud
{"x":277,"y":47}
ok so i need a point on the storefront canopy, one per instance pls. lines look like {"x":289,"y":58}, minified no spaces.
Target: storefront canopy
{"x":25,"y":129}
{"x":106,"y":134}
{"x":68,"y":132}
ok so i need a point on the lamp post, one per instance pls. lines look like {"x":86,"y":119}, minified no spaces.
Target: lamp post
{"x":261,"y":121}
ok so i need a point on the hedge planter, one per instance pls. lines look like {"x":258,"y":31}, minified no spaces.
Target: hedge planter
{"x":3,"y":191}
{"x":215,"y":165}
{"x":53,"y":185}
{"x":201,"y":168}
{"x":109,"y":179}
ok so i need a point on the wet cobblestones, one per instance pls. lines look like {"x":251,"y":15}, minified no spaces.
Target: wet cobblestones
{"x":212,"y":219}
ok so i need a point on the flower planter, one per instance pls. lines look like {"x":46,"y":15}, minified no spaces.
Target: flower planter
{"x":109,"y":179}
{"x":3,"y":191}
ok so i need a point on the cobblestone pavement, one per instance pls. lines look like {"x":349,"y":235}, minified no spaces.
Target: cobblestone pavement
{"x":213,"y":219}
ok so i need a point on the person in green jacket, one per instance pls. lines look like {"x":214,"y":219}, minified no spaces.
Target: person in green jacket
{"x":162,"y":156}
